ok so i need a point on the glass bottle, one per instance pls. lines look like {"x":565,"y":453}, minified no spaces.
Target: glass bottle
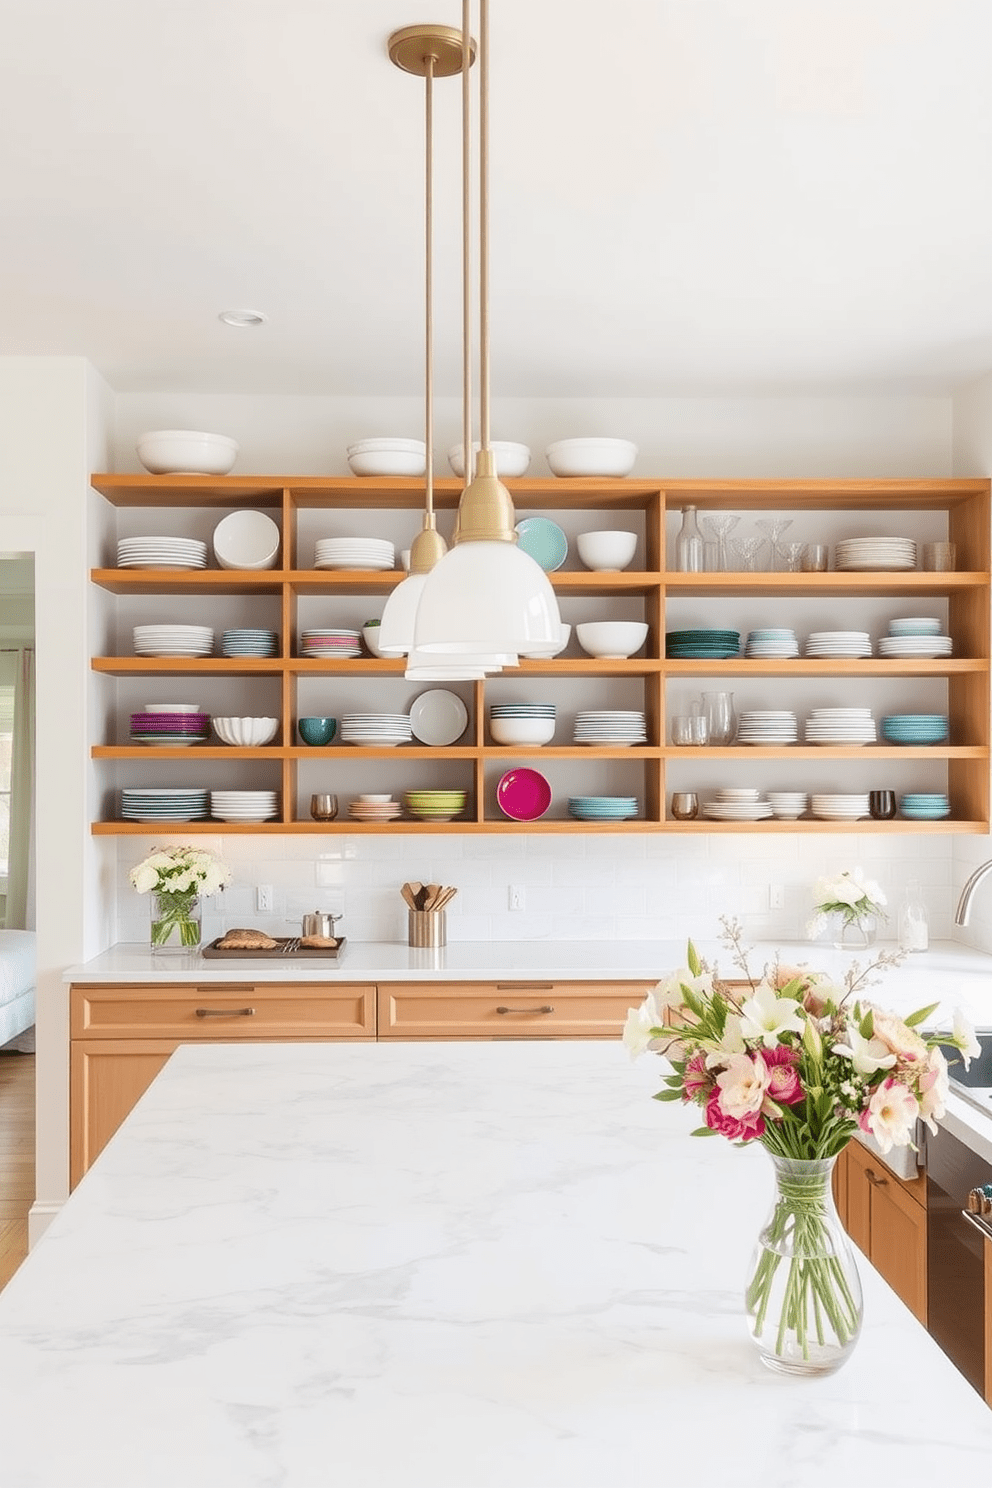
{"x":913,"y":924}
{"x":689,"y":544}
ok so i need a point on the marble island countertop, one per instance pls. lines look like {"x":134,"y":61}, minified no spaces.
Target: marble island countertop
{"x":473,"y":1265}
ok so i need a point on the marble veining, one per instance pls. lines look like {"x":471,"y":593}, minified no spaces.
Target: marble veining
{"x":460,"y":1265}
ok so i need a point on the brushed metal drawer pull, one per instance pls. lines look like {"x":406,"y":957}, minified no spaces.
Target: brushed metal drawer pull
{"x":524,"y":986}
{"x":547,"y":1008}
{"x":248,"y":1012}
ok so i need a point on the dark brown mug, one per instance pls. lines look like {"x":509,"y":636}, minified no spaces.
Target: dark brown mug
{"x":882,"y":805}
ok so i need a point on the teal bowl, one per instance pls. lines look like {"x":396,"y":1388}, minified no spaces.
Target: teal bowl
{"x":317,"y":731}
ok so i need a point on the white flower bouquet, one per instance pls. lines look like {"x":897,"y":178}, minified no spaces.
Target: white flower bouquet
{"x":849,"y":894}
{"x":178,"y":877}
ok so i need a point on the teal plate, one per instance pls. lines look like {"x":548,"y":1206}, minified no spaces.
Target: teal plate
{"x":544,"y":541}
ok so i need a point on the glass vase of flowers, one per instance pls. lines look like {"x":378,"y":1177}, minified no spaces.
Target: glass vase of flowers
{"x":799,"y":1063}
{"x":176,"y":878}
{"x":850,"y":906}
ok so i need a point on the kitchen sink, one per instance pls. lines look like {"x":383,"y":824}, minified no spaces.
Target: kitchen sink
{"x":975,"y":1084}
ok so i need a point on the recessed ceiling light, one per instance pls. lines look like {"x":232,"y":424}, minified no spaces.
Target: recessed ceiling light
{"x":242,"y":317}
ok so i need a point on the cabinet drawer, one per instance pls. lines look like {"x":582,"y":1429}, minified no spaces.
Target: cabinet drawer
{"x":525,"y":1009}
{"x":223,"y":1010}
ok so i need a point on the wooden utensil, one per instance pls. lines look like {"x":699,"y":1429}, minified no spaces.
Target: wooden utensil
{"x":445,"y":897}
{"x":431,"y":896}
{"x":408,"y":895}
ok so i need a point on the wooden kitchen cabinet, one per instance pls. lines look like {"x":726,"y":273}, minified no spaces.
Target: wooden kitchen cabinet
{"x":296,"y":595}
{"x":524,"y":1009}
{"x":886,"y":1217}
{"x":121,"y":1035}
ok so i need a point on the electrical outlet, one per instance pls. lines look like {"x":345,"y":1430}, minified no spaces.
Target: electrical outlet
{"x":776,"y":896}
{"x":515,"y":896}
{"x":264,"y":899}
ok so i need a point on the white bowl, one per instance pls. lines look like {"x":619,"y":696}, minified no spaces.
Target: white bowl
{"x":370,"y":635}
{"x":611,"y":640}
{"x":388,"y":457}
{"x":606,"y":551}
{"x":246,"y":733}
{"x":170,"y":707}
{"x":185,"y":452}
{"x":605,"y":457}
{"x":545,"y":653}
{"x":522,"y":730}
{"x":511,"y":459}
{"x":375,"y":799}
{"x":246,"y":539}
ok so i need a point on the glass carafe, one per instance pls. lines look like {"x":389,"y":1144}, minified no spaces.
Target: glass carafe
{"x":718,"y":710}
{"x":689,"y":544}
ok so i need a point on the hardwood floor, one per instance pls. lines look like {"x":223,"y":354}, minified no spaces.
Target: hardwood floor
{"x":16,"y":1159}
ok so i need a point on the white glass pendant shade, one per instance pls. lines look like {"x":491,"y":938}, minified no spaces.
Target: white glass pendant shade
{"x":430,"y":666}
{"x":486,"y":597}
{"x":396,"y":627}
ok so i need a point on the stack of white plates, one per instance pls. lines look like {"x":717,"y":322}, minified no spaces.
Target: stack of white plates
{"x":374,"y":811}
{"x":772,"y":641}
{"x":331,"y":644}
{"x":839,"y":808}
{"x":788,"y":805}
{"x":840,"y":726}
{"x":354,"y":552}
{"x":738,"y":805}
{"x":161,"y":552}
{"x":249,"y":642}
{"x":859,"y":553}
{"x":915,"y":636}
{"x":610,"y":726}
{"x":151,"y":804}
{"x":376,"y":730}
{"x":767,"y":726}
{"x":244,"y":805}
{"x":173,"y":640}
{"x":838,"y":643}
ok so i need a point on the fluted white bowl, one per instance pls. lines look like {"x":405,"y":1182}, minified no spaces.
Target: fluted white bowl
{"x":245,"y":733}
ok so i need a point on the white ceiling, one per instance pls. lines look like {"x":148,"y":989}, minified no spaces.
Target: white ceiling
{"x":690,"y":196}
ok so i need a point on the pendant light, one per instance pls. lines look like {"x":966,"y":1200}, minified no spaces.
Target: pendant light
{"x":485,"y":596}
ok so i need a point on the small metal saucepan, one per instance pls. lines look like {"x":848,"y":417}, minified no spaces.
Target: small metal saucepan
{"x":320,"y":923}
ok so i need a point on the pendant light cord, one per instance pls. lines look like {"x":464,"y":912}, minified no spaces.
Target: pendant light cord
{"x":429,"y":291}
{"x":468,"y":451}
{"x":484,"y":223}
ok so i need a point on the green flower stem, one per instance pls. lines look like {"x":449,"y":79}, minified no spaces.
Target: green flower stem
{"x":175,"y":913}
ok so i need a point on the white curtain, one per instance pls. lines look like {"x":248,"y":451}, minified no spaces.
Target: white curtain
{"x":17,"y":671}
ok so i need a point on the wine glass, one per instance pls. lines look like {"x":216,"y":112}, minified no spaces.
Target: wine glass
{"x":773,"y":528}
{"x":719,"y":526}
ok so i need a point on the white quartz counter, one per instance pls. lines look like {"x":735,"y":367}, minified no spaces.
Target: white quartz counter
{"x":472,"y":1265}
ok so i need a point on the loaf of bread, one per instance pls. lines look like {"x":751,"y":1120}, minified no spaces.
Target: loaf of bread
{"x":247,"y":940}
{"x":319,"y":942}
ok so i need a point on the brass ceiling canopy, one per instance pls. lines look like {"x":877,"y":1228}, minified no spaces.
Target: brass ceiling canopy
{"x":413,"y":46}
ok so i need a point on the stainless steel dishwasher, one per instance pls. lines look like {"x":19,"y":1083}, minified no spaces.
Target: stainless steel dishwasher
{"x":955,"y":1254}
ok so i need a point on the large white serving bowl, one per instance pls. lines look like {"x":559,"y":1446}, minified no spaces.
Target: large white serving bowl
{"x":388,"y":457}
{"x":186,"y":452}
{"x":522,"y":730}
{"x":245,"y":733}
{"x":611,"y":640}
{"x":606,"y":457}
{"x":246,"y":539}
{"x":511,"y":459}
{"x":605,"y":552}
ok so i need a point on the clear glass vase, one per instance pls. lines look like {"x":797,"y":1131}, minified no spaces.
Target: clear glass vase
{"x":803,"y":1293}
{"x":853,"y":935}
{"x":176,"y":920}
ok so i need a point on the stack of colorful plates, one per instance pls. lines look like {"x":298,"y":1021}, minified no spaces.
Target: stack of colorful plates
{"x":354,"y":552}
{"x":244,"y":805}
{"x":610,"y":727}
{"x":767,"y":726}
{"x":249,"y":642}
{"x":772,"y":642}
{"x":376,"y":730}
{"x":169,"y":728}
{"x":838,"y":643}
{"x":915,"y":637}
{"x":921,"y":806}
{"x":161,"y":552}
{"x":602,"y":808}
{"x":738,"y":805}
{"x":703,"y":644}
{"x":840,"y":726}
{"x":830,"y":807}
{"x":173,"y":640}
{"x":331,"y":644}
{"x":152,"y":804}
{"x":544,"y":541}
{"x":860,"y":553}
{"x":374,"y":811}
{"x":915,"y":728}
{"x":435,"y":805}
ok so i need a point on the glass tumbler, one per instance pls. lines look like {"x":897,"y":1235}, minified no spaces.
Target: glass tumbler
{"x":721,"y":720}
{"x":685,"y":805}
{"x":323,"y":806}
